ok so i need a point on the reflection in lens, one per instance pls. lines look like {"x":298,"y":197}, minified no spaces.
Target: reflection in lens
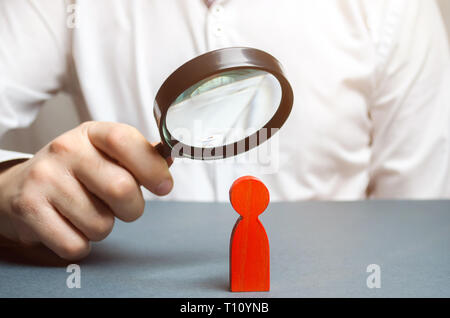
{"x":224,"y":109}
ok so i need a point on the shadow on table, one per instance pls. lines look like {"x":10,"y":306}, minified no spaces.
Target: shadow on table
{"x":113,"y":256}
{"x":39,"y":255}
{"x":171,"y":262}
{"x":106,"y":253}
{"x":101,"y":254}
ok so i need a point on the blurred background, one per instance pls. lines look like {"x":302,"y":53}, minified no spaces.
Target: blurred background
{"x":46,"y":128}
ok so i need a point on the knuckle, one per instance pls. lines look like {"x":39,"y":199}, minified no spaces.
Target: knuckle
{"x":122,"y":188}
{"x":101,"y":228}
{"x":85,"y":125}
{"x":129,"y":130}
{"x":120,"y":136}
{"x":74,"y":249}
{"x":83,"y":128}
{"x":61,"y":145}
{"x":117,"y":138}
{"x":41,"y":171}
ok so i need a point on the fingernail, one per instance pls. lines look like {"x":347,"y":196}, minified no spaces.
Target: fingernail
{"x":164,"y":187}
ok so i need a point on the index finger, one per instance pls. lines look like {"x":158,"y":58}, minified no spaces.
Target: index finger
{"x":130,"y":149}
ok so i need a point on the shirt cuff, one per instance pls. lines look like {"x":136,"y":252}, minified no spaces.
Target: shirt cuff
{"x":6,"y":155}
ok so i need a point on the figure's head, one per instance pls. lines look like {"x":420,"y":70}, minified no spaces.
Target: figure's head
{"x":249,"y":196}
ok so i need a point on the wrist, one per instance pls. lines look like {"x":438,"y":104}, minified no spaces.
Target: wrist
{"x":6,"y":177}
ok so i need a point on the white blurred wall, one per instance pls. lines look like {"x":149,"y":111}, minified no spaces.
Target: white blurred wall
{"x":59,"y":115}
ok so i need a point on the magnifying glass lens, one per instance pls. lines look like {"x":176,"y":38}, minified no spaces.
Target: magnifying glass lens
{"x":224,"y":108}
{"x":221,"y":103}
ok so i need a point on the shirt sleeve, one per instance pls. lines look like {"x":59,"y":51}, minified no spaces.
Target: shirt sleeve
{"x":33,"y":60}
{"x":410,"y":105}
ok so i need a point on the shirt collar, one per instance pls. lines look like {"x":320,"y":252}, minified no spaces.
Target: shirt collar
{"x":209,"y":3}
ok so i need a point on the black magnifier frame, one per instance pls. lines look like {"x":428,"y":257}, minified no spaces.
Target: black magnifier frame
{"x":207,"y":66}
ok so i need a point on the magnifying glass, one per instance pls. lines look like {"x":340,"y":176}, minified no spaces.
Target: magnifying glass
{"x":221,"y":104}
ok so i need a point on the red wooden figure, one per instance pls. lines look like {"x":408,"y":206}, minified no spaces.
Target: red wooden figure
{"x":249,"y":245}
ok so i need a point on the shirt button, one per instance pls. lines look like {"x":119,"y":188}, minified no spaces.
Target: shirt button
{"x":218,"y":30}
{"x":218,"y":11}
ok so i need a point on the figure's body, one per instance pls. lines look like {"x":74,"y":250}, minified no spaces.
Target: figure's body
{"x":249,"y":246}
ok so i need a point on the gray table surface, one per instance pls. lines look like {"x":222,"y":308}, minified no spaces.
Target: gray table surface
{"x":318,"y":249}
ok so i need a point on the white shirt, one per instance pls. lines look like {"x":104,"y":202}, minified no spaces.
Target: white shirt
{"x":371,"y":85}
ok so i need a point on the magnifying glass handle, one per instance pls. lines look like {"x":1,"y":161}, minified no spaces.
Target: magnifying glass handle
{"x":163,"y":150}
